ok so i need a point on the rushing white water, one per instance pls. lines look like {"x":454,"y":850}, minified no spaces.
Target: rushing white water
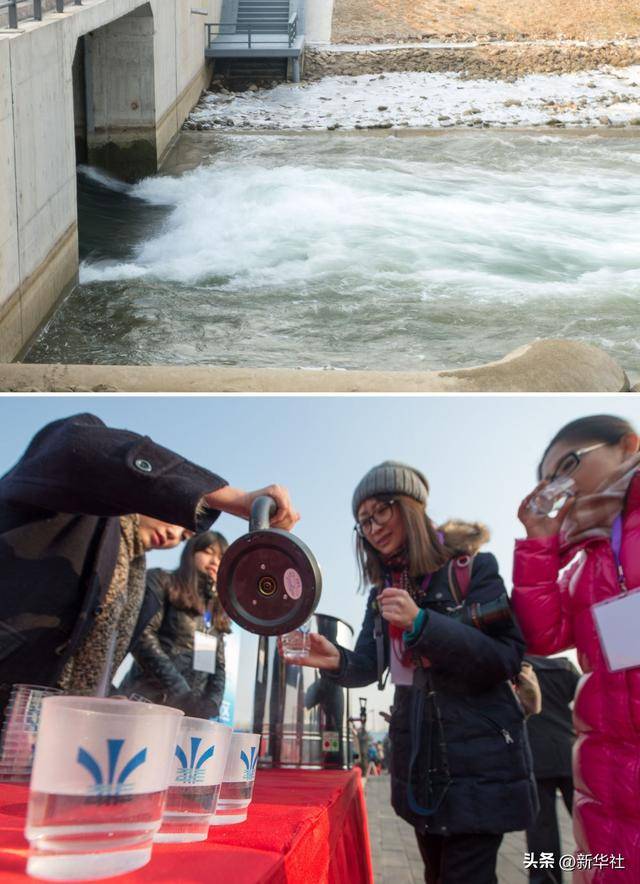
{"x":371,"y":252}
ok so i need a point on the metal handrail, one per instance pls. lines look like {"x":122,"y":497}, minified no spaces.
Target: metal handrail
{"x":252,"y":28}
{"x":293,"y":28}
{"x":12,"y":6}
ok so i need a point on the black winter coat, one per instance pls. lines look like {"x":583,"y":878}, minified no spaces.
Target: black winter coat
{"x":163,"y":670}
{"x":59,"y":534}
{"x":551,"y":733}
{"x":470,"y":732}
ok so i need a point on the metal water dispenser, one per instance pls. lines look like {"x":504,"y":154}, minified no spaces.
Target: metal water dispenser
{"x":269,"y":582}
{"x":303,"y":718}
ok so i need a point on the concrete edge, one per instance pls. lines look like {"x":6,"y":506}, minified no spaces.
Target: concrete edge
{"x":30,"y":306}
{"x":547,"y":366}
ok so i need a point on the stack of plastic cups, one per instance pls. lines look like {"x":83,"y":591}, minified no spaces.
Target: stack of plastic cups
{"x":239,"y":776}
{"x":139,"y":698}
{"x":198,"y":768}
{"x":21,"y":722}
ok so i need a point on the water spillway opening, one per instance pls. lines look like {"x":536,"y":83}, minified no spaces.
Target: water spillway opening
{"x":367,"y":251}
{"x":113,"y":80}
{"x":239,"y":74}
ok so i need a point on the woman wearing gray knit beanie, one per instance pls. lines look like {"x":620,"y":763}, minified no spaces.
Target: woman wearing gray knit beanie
{"x":460,"y":762}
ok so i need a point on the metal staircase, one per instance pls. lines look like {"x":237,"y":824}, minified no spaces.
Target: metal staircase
{"x":258,"y":29}
{"x":264,"y":16}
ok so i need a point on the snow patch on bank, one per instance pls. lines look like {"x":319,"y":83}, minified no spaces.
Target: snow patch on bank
{"x":609,"y":97}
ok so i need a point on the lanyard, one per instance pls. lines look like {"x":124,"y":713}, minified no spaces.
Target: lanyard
{"x":378,"y":633}
{"x":423,"y":585}
{"x":616,"y":546}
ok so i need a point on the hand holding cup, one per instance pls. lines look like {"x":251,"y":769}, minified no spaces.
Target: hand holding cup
{"x":545,"y":524}
{"x":322,"y":654}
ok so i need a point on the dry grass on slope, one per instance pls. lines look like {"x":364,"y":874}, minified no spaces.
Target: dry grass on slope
{"x":381,"y":20}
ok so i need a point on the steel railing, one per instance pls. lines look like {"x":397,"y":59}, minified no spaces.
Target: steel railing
{"x":250,"y":30}
{"x":293,"y":28}
{"x":12,"y":6}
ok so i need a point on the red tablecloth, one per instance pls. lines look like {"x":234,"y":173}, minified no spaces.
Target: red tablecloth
{"x":303,"y":826}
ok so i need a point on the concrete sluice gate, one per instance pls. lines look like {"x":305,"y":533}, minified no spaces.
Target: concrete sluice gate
{"x":112,"y":130}
{"x":117,"y":76}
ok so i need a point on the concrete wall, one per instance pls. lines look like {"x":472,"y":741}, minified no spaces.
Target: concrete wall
{"x":149,"y":72}
{"x":318,"y":18}
{"x":120,"y":80}
{"x":548,"y":366}
{"x":10,"y":319}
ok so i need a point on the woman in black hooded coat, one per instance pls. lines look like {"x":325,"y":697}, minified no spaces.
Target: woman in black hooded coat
{"x":165,"y":668}
{"x":460,"y":763}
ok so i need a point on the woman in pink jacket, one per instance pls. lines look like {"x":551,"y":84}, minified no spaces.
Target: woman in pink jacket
{"x":589,"y":552}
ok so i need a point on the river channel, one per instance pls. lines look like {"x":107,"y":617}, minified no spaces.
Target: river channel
{"x":358,"y":251}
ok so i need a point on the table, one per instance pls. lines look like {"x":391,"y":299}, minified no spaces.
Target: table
{"x":304,"y":827}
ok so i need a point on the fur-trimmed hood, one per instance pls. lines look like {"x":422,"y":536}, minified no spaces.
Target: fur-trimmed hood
{"x":465,"y":538}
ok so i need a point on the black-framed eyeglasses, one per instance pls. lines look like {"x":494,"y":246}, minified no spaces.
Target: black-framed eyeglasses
{"x":380,"y":516}
{"x":571,"y":461}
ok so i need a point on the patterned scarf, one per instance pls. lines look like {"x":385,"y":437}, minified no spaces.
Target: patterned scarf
{"x":118,"y":613}
{"x":396,"y":570}
{"x":593,"y":515}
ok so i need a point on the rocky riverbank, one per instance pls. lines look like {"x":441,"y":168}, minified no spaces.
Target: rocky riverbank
{"x":421,"y":100}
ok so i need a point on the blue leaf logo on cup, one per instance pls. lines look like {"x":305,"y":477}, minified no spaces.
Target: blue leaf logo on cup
{"x":110,"y":785}
{"x":192,"y":771}
{"x":250,"y":764}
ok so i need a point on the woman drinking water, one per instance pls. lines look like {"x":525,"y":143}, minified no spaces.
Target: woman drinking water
{"x":584,"y":552}
{"x":459,"y":761}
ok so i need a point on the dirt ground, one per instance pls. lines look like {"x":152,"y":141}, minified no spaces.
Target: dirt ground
{"x":381,"y":20}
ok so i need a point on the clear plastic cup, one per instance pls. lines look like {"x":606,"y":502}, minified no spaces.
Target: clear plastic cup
{"x":296,"y":643}
{"x":98,"y":787}
{"x":550,"y":499}
{"x":198,"y":768}
{"x":20,"y":730}
{"x":236,"y":791}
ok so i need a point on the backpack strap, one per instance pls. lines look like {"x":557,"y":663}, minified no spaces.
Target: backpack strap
{"x":379,"y":638}
{"x":459,"y":574}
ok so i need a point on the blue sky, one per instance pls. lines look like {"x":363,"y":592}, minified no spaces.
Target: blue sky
{"x":478,"y":452}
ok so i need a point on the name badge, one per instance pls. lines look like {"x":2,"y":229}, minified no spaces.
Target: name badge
{"x":401,"y":674}
{"x":617,"y":623}
{"x":204,"y":652}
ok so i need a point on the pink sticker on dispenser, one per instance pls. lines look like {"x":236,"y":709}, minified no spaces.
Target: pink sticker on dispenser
{"x":292,"y":583}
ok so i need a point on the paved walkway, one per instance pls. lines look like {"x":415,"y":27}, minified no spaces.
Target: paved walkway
{"x":396,"y":859}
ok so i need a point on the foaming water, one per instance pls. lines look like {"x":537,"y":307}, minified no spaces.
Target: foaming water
{"x":367,"y":252}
